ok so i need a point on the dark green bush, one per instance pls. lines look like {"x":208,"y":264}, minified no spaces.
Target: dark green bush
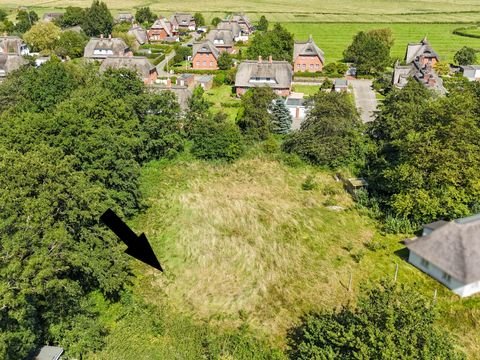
{"x":216,"y":140}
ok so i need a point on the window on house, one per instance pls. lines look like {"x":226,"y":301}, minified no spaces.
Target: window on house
{"x":211,"y":63}
{"x":204,"y":63}
{"x":311,"y":66}
{"x":446,"y":277}
{"x":304,"y":66}
{"x":317,"y":66}
{"x":425,"y":263}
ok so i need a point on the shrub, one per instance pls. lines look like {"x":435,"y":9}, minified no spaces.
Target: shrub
{"x":214,"y":140}
{"x":309,"y":183}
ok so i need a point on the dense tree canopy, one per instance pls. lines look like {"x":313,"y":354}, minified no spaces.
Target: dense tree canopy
{"x":331,"y":135}
{"x":254,"y":118}
{"x":277,"y":43}
{"x":72,"y":16}
{"x":225,"y":61}
{"x":370,"y":51}
{"x":199,"y":19}
{"x":71,"y":44}
{"x":145,"y":15}
{"x":466,"y":56}
{"x":427,"y":160}
{"x":262,"y":24}
{"x":389,"y":322}
{"x":98,"y":19}
{"x":75,"y":143}
{"x":43,"y":36}
{"x":25,"y":20}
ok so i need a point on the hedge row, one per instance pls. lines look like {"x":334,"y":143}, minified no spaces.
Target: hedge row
{"x":462,"y":32}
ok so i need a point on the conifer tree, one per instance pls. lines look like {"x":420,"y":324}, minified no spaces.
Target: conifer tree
{"x":281,"y":118}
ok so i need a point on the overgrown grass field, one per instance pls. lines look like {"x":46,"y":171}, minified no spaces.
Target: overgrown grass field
{"x":306,"y":11}
{"x":245,"y":246}
{"x":333,"y":39}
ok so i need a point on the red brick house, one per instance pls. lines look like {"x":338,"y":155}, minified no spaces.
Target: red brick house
{"x":205,"y":56}
{"x":161,"y":30}
{"x":307,"y":57}
{"x":276,"y":74}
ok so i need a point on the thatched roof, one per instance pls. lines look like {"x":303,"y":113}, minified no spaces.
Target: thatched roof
{"x":221,"y":37}
{"x":139,"y":33}
{"x":276,"y":74}
{"x":308,"y":48}
{"x":101,"y":48}
{"x":182,"y":20}
{"x":205,"y":47}
{"x":9,"y":63}
{"x":140,"y":64}
{"x":233,"y":26}
{"x":415,"y":50}
{"x":453,"y":248}
{"x":162,"y":24}
{"x":10,"y":45}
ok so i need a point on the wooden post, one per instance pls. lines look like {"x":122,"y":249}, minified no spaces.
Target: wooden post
{"x":435,"y":296}
{"x":396,"y":273}
{"x":350,"y":282}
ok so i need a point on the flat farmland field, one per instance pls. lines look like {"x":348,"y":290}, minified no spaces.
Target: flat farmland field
{"x":334,"y":38}
{"x":285,"y":10}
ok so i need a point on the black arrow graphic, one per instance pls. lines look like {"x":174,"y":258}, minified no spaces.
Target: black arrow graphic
{"x":137,"y":246}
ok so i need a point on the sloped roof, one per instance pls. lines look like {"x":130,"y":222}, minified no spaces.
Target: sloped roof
{"x":279,"y":71}
{"x":117,"y":45}
{"x":140,"y":34}
{"x":414,"y":50}
{"x":308,"y":48}
{"x":182,"y":19}
{"x":233,"y":26}
{"x":12,"y":62}
{"x":205,"y":47}
{"x":10,"y":44}
{"x":454,"y":248}
{"x":140,"y":64}
{"x":221,"y":37}
{"x":49,"y":353}
{"x":164,"y":24}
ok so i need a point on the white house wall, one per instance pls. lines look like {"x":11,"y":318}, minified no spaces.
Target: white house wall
{"x":456,"y":286}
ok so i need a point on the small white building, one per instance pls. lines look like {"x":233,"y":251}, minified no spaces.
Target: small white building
{"x":450,"y":253}
{"x":471,"y":72}
{"x":297,"y":106}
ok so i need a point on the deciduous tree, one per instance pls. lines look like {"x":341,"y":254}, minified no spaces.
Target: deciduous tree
{"x":466,"y":56}
{"x":389,"y":322}
{"x":43,"y":36}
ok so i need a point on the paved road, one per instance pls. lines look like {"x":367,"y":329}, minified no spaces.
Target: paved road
{"x":364,"y":98}
{"x":162,"y":64}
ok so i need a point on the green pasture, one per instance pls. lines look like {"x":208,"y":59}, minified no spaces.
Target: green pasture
{"x":333,"y":39}
{"x":285,"y":10}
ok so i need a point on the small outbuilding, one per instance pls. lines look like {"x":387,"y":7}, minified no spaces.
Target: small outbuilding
{"x":49,"y":353}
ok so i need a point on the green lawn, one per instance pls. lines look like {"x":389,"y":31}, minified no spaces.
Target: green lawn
{"x":333,"y":39}
{"x":221,"y":96}
{"x":243,"y":245}
{"x":306,"y":89}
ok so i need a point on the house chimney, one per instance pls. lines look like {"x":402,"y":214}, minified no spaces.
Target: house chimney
{"x":259,"y":59}
{"x":109,"y":36}
{"x":270,"y":59}
{"x":101,"y":36}
{"x":297,"y":112}
{"x":169,"y":83}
